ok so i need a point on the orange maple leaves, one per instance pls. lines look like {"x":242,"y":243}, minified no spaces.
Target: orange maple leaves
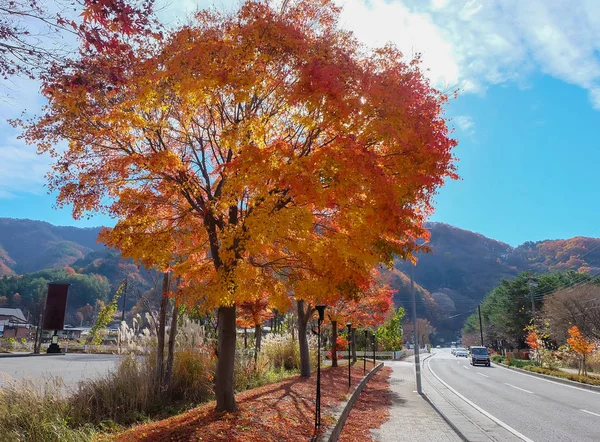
{"x":259,"y":152}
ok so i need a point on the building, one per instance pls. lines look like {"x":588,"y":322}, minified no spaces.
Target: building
{"x":13,"y":323}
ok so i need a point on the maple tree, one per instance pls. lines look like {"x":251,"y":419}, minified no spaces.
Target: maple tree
{"x":266,"y":148}
{"x":252,"y":314}
{"x":31,"y":31}
{"x":362,"y":307}
{"x":581,"y":346}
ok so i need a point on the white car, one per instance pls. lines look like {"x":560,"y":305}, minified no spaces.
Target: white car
{"x":461,"y":353}
{"x":453,"y":350}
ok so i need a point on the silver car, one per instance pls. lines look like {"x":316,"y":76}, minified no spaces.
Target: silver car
{"x":461,"y":353}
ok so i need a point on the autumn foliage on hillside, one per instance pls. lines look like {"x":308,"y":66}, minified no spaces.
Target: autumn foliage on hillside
{"x":262,"y":151}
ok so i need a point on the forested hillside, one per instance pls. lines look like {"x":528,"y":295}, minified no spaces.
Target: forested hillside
{"x":451,"y":280}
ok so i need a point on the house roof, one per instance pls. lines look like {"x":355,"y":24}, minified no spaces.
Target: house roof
{"x":14,"y":312}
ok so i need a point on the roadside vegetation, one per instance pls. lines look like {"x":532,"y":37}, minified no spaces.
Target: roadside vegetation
{"x":129,"y":394}
{"x":547,"y":323}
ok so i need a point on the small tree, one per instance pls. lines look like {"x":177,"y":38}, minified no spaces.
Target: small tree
{"x":105,"y":316}
{"x":535,"y":341}
{"x":389,"y":336}
{"x":581,"y":346}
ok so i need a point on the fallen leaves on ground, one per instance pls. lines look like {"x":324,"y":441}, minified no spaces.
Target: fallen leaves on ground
{"x":370,"y":411}
{"x":284,"y":411}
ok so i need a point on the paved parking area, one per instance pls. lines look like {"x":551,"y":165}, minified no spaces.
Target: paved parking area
{"x":67,"y":369}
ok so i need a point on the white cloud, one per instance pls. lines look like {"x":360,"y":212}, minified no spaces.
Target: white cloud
{"x":465,"y":123}
{"x":470,"y":44}
{"x":478,"y":43}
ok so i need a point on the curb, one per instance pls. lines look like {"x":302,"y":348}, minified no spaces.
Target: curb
{"x":333,"y":434}
{"x":10,"y":355}
{"x":438,"y":411}
{"x":551,"y":378}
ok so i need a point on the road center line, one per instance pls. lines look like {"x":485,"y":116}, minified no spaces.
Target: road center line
{"x":484,"y":375}
{"x":518,"y":388}
{"x":590,"y":412}
{"x":478,"y":408}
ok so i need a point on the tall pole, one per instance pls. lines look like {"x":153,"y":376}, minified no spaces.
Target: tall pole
{"x":318,"y":401}
{"x":349,"y":355}
{"x":416,"y":337}
{"x":374,"y":345}
{"x":480,"y":326}
{"x":532,"y":285}
{"x":124,"y":298}
{"x":365,"y":355}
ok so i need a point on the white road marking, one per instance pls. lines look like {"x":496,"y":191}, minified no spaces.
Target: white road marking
{"x":484,"y":375}
{"x":590,"y":412}
{"x":478,"y":408}
{"x":518,"y":388}
{"x":464,"y":366}
{"x":548,"y":380}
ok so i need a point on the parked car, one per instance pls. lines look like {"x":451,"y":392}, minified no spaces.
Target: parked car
{"x":480,"y":355}
{"x":461,"y":353}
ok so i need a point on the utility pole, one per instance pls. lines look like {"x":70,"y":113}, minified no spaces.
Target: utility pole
{"x":416,"y":337}
{"x":532,"y":286}
{"x":124,"y":298}
{"x":480,"y":326}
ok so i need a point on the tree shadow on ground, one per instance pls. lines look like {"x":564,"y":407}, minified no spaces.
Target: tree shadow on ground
{"x":284,"y":411}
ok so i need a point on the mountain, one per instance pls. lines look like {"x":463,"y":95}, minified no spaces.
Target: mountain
{"x":27,"y":246}
{"x":450,"y":281}
{"x":463,"y":266}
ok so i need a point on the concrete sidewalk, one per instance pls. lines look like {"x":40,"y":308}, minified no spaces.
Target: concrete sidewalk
{"x":412,"y":418}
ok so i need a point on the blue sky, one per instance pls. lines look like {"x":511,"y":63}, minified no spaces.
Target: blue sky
{"x":526,"y":118}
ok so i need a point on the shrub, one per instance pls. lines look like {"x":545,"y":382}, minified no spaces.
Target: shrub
{"x":520,"y":363}
{"x":562,"y":374}
{"x":282,"y":352}
{"x":193,"y":376}
{"x":498,"y":359}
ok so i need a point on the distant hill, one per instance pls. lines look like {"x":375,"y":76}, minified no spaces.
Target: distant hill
{"x":464,"y":266}
{"x":461,"y":269}
{"x":27,"y":246}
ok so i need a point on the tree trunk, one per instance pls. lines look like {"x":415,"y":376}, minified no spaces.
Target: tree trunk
{"x":171,"y":353}
{"x":162,"y":319}
{"x":257,"y":340}
{"x":353,"y":345}
{"x":334,"y":335}
{"x":303,"y":340}
{"x":224,"y":389}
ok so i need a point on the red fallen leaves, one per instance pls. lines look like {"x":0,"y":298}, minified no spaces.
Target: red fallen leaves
{"x":284,"y":411}
{"x":370,"y":411}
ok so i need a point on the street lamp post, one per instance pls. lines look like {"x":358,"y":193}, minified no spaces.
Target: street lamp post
{"x":365,"y":355}
{"x":374,"y":347}
{"x":349,"y":325}
{"x":321,"y":310}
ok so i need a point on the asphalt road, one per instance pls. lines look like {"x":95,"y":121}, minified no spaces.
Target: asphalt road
{"x":538,"y":409}
{"x":67,"y":369}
